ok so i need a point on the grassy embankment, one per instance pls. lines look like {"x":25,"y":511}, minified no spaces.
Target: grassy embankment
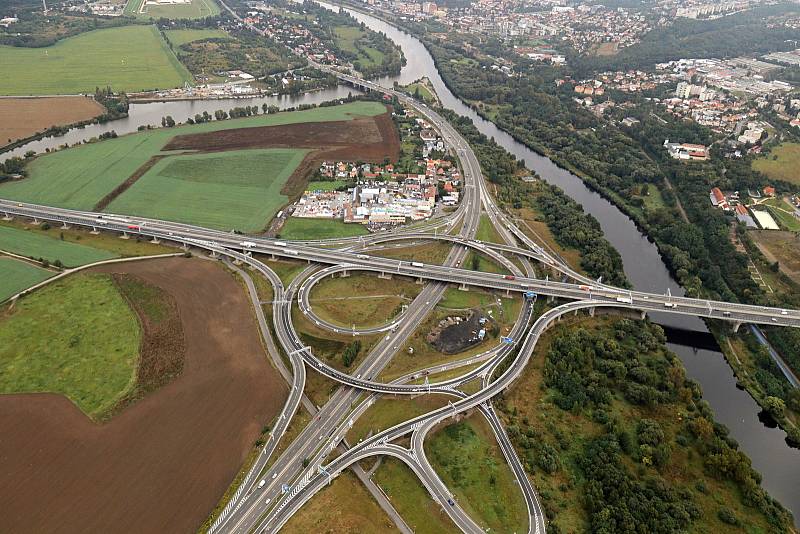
{"x":47,"y":245}
{"x":297,"y":228}
{"x":77,"y":337}
{"x":469,"y":461}
{"x":80,"y":177}
{"x":130,"y":58}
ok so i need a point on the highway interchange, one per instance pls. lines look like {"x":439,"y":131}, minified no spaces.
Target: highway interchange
{"x":276,"y":487}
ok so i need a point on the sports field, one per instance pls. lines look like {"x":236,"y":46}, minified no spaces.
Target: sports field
{"x":179,"y":37}
{"x":16,"y":275}
{"x":195,"y":10}
{"x":238,"y":189}
{"x":130,"y":58}
{"x":782,"y":163}
{"x":78,"y":178}
{"x":50,"y":247}
{"x":77,"y":337}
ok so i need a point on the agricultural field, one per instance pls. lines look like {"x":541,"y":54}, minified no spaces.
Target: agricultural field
{"x":95,"y":175}
{"x":37,"y":245}
{"x":298,"y":228}
{"x":782,"y":163}
{"x":469,"y":461}
{"x":77,"y":337}
{"x":780,"y":246}
{"x":181,"y":37}
{"x":16,"y":275}
{"x":226,"y":388}
{"x":129,"y":58}
{"x":23,"y":117}
{"x":196,"y":9}
{"x":238,"y":189}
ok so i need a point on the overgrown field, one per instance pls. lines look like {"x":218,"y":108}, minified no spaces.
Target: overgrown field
{"x":468,"y":459}
{"x":298,"y":228}
{"x":180,"y":37}
{"x":238,"y":189}
{"x":16,"y":275}
{"x":38,"y":245}
{"x":129,"y":58}
{"x":782,"y":163}
{"x":77,"y":337}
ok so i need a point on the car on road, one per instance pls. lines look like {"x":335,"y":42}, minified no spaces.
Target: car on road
{"x":450,"y":502}
{"x":261,"y":484}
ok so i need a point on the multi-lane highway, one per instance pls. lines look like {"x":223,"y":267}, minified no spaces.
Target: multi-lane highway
{"x":275,"y":488}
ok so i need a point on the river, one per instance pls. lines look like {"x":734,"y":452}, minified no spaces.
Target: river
{"x":777,"y":462}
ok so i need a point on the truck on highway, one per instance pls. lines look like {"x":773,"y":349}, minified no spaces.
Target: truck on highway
{"x":670,"y":305}
{"x":585,"y":288}
{"x":625,"y":300}
{"x":247,"y":244}
{"x":133,"y":227}
{"x":417,"y":264}
{"x":280,"y":243}
{"x":508,"y":277}
{"x":261,"y":484}
{"x":292,"y":251}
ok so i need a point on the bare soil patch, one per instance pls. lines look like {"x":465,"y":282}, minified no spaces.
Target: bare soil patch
{"x":454,"y":334}
{"x":24,"y":117}
{"x":161,"y":464}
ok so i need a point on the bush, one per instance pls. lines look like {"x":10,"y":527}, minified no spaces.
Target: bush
{"x":727,"y":516}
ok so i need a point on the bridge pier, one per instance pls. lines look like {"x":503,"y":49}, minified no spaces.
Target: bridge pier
{"x":591,"y":312}
{"x":643,"y":315}
{"x":94,"y":231}
{"x":155,"y":241}
{"x":345,"y":274}
{"x":36,"y":221}
{"x":551,"y":298}
{"x":273,"y":257}
{"x":184,"y":246}
{"x":736,"y":326}
{"x":385,"y":276}
{"x":7,"y":217}
{"x":508,"y":292}
{"x":420,"y":281}
{"x":124,"y":235}
{"x":64,"y":226}
{"x":463,"y":287}
{"x":214,"y":254}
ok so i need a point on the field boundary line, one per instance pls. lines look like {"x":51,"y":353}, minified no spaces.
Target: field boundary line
{"x":68,"y":272}
{"x":26,"y":259}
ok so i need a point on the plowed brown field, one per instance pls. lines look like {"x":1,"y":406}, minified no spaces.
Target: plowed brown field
{"x":161,"y":464}
{"x":23,"y":117}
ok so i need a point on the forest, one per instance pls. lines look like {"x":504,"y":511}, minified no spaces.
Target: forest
{"x":601,"y":434}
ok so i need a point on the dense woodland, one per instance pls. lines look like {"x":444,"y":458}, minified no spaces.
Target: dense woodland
{"x":605,"y":435}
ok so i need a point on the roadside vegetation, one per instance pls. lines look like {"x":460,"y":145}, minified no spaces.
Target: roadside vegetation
{"x":411,"y":500}
{"x":361,"y":299}
{"x":470,"y":463}
{"x":387,"y":412}
{"x":77,"y":337}
{"x":48,"y":248}
{"x":344,"y":506}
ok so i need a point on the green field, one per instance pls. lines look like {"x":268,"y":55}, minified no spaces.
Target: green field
{"x":783,"y":213}
{"x":196,"y":10}
{"x":297,"y":228}
{"x":782,"y":163}
{"x":179,"y":37}
{"x":129,"y":58}
{"x":470,"y":463}
{"x":77,"y":337}
{"x":39,"y":245}
{"x":424,"y":92}
{"x":325,"y":185}
{"x":238,"y":189}
{"x":78,"y":178}
{"x":16,"y":275}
